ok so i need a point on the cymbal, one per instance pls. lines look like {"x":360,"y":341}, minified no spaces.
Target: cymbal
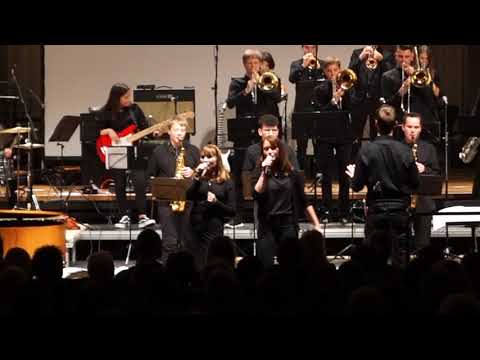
{"x":15,"y":130}
{"x":29,"y":146}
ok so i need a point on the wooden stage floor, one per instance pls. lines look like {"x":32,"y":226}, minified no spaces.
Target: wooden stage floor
{"x":459,"y":188}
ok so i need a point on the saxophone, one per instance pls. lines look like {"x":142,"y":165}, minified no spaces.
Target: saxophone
{"x":470,"y":149}
{"x":179,"y":205}
{"x":413,"y":203}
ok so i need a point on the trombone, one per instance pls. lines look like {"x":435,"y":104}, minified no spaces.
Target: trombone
{"x":344,"y":80}
{"x":268,"y":81}
{"x":420,"y":78}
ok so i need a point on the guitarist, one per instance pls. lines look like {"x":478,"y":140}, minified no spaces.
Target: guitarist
{"x":121,"y":114}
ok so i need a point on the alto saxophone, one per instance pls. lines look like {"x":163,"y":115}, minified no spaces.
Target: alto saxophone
{"x":413,"y":203}
{"x":179,"y":205}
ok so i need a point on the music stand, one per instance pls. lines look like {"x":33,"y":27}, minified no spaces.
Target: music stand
{"x":63,"y":133}
{"x":170,"y":189}
{"x":328,"y":126}
{"x":304,"y":90}
{"x":242,"y":131}
{"x":429,"y":185}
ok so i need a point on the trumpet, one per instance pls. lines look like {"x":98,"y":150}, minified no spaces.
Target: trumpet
{"x":313,"y":63}
{"x":371,"y":63}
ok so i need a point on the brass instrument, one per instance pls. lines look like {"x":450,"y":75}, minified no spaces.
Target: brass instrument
{"x":371,"y":63}
{"x":254,"y":90}
{"x":421,"y":77}
{"x":268,"y":81}
{"x":179,"y":205}
{"x":469,"y":150}
{"x":313,"y":63}
{"x":346,"y":79}
{"x":413,"y":203}
{"x":402,"y":102}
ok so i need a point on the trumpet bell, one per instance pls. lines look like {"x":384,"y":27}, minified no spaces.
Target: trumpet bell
{"x":346,"y":79}
{"x":371,"y":63}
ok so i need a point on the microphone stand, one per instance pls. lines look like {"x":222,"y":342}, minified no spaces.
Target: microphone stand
{"x":215,"y":91}
{"x":30,"y":198}
{"x":445,"y":100}
{"x":285,"y":99}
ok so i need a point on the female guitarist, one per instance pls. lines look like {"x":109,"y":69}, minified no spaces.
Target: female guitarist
{"x":124,"y":117}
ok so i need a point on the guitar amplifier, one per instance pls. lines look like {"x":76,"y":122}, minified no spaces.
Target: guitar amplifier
{"x":90,"y":126}
{"x":162,"y":104}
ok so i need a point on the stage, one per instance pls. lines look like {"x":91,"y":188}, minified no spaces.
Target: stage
{"x":459,"y":188}
{"x":97,"y":212}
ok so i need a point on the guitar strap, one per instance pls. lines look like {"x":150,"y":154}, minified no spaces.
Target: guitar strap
{"x":132,"y":115}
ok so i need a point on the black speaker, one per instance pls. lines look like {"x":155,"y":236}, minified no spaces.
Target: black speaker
{"x":90,"y":126}
{"x":91,"y":166}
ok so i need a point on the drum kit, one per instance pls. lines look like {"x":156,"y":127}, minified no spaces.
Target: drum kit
{"x":29,"y":147}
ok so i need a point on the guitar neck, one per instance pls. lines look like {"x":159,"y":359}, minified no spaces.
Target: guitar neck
{"x":143,"y":133}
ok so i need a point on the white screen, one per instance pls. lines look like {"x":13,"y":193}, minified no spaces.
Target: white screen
{"x":80,"y":76}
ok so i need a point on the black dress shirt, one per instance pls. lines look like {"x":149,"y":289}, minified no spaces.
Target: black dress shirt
{"x":387,"y":168}
{"x":368,"y":81}
{"x":266,"y":100}
{"x":164,"y":159}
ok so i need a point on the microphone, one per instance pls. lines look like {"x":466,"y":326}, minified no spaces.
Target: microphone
{"x":445,"y":100}
{"x":203,"y":171}
{"x":268,"y":169}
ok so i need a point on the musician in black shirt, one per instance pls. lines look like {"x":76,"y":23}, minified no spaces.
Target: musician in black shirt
{"x":396,"y":93}
{"x":250,"y":102}
{"x":244,"y":94}
{"x":369,"y":63}
{"x":213,"y":194}
{"x":280,"y":193}
{"x":305,"y":74}
{"x":163,"y":163}
{"x":427,"y":164}
{"x":120,"y":114}
{"x":331,"y":96}
{"x":388,"y":169}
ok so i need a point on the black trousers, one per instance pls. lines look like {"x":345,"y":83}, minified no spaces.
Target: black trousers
{"x":271,"y":233}
{"x":140,"y":183}
{"x":360,"y":114}
{"x":176,"y":229}
{"x":202,"y":234}
{"x":394,"y":220}
{"x":11,"y":184}
{"x":302,"y":143}
{"x":342,"y":158}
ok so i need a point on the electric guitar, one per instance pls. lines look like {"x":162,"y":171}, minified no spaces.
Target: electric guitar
{"x":128,"y":136}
